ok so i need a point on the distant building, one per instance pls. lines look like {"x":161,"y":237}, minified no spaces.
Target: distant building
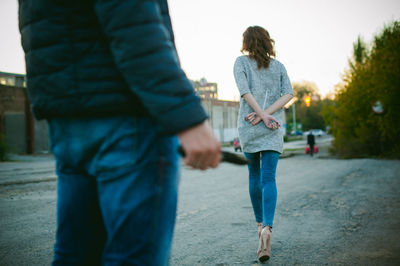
{"x":12,"y":79}
{"x":223,"y":118}
{"x":223,"y":114}
{"x":205,"y":90}
{"x":23,"y":134}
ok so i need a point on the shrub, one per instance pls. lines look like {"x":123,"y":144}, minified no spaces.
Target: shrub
{"x":373,"y":75}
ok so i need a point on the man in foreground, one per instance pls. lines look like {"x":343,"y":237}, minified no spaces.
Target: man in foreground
{"x":106,"y":76}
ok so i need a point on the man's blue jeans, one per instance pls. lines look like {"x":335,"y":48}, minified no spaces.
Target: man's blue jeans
{"x":117,"y":191}
{"x":262,"y":185}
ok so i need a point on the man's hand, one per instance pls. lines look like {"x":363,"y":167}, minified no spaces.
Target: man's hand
{"x":201,"y":147}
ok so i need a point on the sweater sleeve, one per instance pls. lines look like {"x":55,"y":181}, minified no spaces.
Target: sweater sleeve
{"x":286,"y":86}
{"x":143,"y":50}
{"x":240,"y":77}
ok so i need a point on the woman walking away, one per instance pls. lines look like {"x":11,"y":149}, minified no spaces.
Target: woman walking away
{"x":264,"y":88}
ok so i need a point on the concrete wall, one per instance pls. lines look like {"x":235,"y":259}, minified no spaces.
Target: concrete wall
{"x":226,"y":134}
{"x":41,"y":139}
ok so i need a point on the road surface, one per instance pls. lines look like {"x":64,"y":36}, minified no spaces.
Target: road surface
{"x":329,"y":212}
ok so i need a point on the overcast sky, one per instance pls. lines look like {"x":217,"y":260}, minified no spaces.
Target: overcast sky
{"x":313,"y":38}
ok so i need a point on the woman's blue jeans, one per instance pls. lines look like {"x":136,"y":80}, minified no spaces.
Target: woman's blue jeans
{"x":262,"y":185}
{"x":117,"y":191}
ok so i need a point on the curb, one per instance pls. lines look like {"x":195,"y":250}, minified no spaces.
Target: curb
{"x":28,"y":181}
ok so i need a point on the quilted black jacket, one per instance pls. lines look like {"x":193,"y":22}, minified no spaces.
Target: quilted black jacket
{"x":94,"y":58}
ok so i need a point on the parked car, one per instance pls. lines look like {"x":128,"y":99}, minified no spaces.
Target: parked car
{"x":296,"y":133}
{"x":236,"y":144}
{"x":315,"y":132}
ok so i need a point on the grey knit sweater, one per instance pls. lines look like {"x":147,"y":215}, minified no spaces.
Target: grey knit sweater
{"x":267,"y":86}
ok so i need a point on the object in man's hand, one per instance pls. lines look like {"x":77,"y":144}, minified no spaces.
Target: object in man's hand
{"x":226,"y":156}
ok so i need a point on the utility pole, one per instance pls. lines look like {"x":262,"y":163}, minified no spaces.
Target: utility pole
{"x":294,"y":117}
{"x":292,"y":103}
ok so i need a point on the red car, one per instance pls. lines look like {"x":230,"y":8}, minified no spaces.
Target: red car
{"x":236,"y":144}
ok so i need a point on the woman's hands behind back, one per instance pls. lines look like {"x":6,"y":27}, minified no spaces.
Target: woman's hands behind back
{"x":269,"y":120}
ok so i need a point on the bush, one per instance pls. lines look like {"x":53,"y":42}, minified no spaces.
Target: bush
{"x":374,"y":75}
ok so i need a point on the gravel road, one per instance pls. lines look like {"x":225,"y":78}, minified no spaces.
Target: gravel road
{"x":330,"y":212}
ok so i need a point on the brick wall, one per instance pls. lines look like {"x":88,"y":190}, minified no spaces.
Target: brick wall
{"x":12,"y":118}
{"x":12,"y":99}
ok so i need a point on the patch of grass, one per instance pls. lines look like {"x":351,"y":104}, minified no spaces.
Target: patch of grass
{"x":293,"y":149}
{"x":226,"y":144}
{"x":292,"y":138}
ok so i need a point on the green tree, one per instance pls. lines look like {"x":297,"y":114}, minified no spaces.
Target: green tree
{"x":328,"y":112}
{"x":360,"y":53}
{"x":310,"y":117}
{"x":305,"y":88}
{"x":373,"y":75}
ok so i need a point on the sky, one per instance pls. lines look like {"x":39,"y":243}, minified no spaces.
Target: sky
{"x":313,"y":38}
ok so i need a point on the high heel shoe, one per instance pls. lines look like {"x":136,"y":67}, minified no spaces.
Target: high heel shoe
{"x":264,"y":245}
{"x":260,"y":227}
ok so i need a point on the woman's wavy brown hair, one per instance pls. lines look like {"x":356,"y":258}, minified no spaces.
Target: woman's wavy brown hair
{"x":259,"y":45}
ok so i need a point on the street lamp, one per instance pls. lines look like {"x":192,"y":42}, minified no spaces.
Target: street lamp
{"x":292,"y":103}
{"x":307,"y":100}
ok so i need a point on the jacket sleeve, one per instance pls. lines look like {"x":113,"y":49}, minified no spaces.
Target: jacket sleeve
{"x":143,"y":50}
